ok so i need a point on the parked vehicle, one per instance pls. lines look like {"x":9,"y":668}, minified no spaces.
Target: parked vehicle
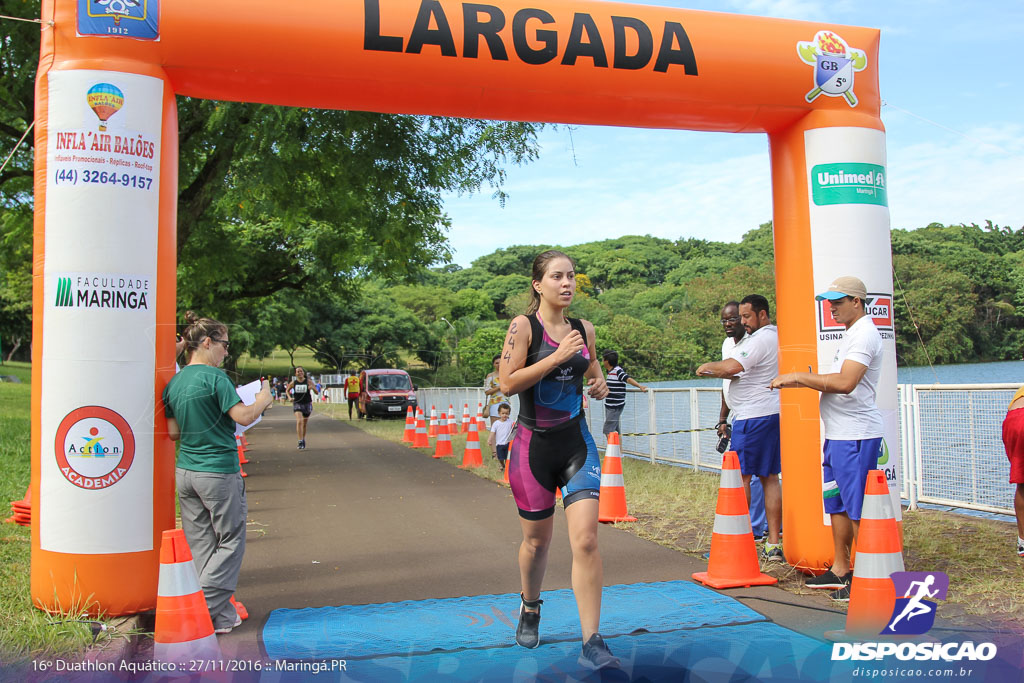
{"x":385,"y":393}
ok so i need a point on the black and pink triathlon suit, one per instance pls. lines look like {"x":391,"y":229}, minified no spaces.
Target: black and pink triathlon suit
{"x":553,"y":447}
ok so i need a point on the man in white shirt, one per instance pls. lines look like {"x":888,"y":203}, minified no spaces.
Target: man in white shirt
{"x":735,"y":334}
{"x":755,"y":433}
{"x":853,"y":424}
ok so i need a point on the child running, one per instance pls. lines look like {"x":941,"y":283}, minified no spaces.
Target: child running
{"x":501,"y":434}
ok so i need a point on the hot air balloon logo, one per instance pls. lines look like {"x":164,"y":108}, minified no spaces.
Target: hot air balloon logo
{"x":105,"y":99}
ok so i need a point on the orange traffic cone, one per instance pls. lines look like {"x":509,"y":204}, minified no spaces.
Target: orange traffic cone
{"x":472,"y":457}
{"x":443,"y":447}
{"x":453,"y":425}
{"x":612,"y":501}
{"x":505,"y":476}
{"x":241,"y":471}
{"x":409,"y":435}
{"x":184,"y":631}
{"x":242,"y":460}
{"x":245,"y":443}
{"x":879,"y":554}
{"x":451,"y":417}
{"x":243,"y":613}
{"x":465,"y":418}
{"x":480,"y":414}
{"x":733,"y":559}
{"x":432,"y":430}
{"x":22,"y":510}
{"x":422,"y":440}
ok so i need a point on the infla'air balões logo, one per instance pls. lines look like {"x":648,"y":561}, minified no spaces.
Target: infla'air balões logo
{"x":914,"y":613}
{"x":105,"y":99}
{"x":834,"y":64}
{"x":94,"y":447}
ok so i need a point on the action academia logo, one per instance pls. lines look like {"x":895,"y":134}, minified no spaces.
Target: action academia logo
{"x":94,"y":447}
{"x":834,"y":64}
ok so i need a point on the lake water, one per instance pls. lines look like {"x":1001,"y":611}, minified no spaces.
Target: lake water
{"x":964,"y":373}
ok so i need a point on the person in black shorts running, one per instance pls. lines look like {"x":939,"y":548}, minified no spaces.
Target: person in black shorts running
{"x":546,"y":358}
{"x":302,"y":390}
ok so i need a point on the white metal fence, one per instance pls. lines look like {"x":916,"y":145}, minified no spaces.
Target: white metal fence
{"x":950,"y":435}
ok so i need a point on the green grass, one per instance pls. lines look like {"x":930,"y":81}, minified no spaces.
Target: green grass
{"x":25,"y":632}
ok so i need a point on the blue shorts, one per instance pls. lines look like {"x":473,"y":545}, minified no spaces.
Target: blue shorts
{"x":756,"y":442}
{"x":540,"y":462}
{"x":845,"y":471}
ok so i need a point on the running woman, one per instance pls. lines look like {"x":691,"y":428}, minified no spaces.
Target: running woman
{"x":302,"y":389}
{"x":546,"y":358}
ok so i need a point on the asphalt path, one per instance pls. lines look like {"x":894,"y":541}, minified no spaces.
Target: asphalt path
{"x":354,"y":519}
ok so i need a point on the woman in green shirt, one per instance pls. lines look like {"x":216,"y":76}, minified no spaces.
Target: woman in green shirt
{"x":202,"y":408}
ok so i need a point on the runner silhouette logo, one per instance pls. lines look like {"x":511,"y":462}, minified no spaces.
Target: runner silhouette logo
{"x":914,"y":613}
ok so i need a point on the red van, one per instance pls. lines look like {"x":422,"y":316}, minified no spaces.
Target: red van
{"x":385,"y":393}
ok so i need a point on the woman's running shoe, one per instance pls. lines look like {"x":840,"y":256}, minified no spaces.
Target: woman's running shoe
{"x":527,"y":632}
{"x":596,"y":655}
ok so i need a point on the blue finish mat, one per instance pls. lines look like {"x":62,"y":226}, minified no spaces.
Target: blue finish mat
{"x":488,"y":621}
{"x":753,"y":652}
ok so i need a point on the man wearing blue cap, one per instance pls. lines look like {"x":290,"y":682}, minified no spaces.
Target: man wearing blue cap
{"x":853,"y":424}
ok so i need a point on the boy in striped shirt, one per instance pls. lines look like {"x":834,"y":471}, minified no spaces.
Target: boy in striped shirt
{"x":616,"y":399}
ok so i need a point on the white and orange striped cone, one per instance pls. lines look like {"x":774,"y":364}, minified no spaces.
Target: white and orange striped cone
{"x":879,"y":554}
{"x":612,"y":502}
{"x":184,"y":630}
{"x":453,"y":425}
{"x":480,"y":415}
{"x":465,"y":418}
{"x":443,"y":447}
{"x":451,"y":417}
{"x":432,"y":430}
{"x":472,"y":457}
{"x":242,"y":460}
{"x":733,"y":560}
{"x":409,"y":435}
{"x":245,"y":443}
{"x":422,"y":440}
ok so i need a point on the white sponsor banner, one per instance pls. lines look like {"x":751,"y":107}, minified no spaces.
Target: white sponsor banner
{"x":102,"y":213}
{"x":849,"y":220}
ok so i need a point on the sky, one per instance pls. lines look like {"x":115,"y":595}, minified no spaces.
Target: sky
{"x":951,"y":81}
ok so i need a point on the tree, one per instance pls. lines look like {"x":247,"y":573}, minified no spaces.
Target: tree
{"x":19,"y":54}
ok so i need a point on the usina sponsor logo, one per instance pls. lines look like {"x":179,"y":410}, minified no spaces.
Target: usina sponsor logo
{"x":94,"y":290}
{"x":914,"y":614}
{"x":877,"y":305}
{"x":849,"y":183}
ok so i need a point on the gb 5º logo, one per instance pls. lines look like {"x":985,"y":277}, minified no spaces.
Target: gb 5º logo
{"x":834,"y":63}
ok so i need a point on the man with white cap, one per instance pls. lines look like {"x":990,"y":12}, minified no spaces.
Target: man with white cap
{"x":853,"y":424}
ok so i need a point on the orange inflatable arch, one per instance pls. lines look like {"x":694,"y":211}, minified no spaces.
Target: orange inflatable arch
{"x":106,"y":194}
